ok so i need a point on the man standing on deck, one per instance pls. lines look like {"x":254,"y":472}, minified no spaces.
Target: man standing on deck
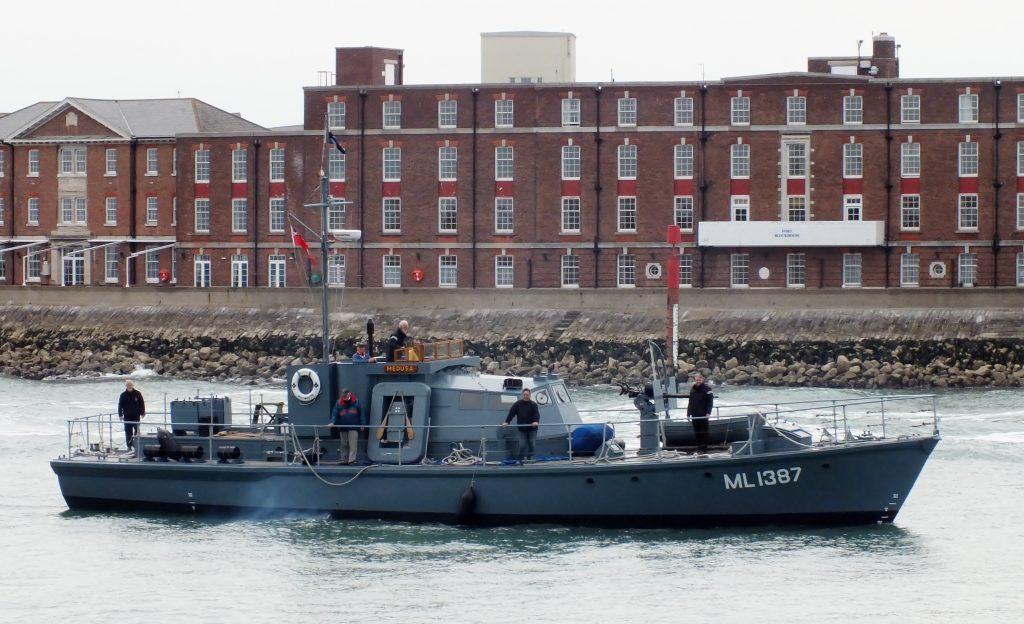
{"x":698,"y":409}
{"x":131,"y":408}
{"x":528,"y":418}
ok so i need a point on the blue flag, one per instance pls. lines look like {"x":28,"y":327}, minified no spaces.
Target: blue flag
{"x":333,"y":139}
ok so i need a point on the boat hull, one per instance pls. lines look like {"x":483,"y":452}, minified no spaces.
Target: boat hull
{"x":857,"y":483}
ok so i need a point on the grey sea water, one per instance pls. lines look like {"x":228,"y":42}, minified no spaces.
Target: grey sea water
{"x":953,"y":555}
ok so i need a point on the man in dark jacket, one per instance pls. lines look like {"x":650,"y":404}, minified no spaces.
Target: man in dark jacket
{"x":131,"y":408}
{"x":397,"y":339}
{"x":346,"y":422}
{"x":698,"y":409}
{"x":528,"y":418}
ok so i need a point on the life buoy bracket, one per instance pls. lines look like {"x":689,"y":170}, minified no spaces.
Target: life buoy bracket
{"x":305,"y":396}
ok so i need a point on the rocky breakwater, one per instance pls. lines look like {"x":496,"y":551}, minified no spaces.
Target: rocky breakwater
{"x":890,"y":349}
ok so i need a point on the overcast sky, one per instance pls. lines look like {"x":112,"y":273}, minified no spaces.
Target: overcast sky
{"x":254,"y":56}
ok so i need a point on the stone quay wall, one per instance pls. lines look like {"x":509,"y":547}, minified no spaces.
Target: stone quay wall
{"x":786,"y":343}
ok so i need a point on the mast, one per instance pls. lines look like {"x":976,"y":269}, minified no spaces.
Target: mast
{"x":325,"y":201}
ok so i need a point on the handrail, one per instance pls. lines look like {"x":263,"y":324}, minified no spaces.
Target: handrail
{"x":95,"y":435}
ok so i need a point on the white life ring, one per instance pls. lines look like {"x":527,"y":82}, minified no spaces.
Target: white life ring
{"x":314,"y":390}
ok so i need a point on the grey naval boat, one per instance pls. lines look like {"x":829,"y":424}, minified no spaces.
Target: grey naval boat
{"x":434,"y":450}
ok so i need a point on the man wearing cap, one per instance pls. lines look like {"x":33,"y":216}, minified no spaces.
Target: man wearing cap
{"x":360,"y":356}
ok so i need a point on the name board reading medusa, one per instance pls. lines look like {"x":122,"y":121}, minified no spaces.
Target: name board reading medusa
{"x":400,"y":368}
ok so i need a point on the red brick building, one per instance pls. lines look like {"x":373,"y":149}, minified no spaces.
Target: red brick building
{"x":842,"y":176}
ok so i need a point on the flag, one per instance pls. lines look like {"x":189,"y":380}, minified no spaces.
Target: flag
{"x":334,"y":139}
{"x":298,"y":241}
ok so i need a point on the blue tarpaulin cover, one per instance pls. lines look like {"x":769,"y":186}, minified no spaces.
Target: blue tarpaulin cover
{"x":586,"y":439}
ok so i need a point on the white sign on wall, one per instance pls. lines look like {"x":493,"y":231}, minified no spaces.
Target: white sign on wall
{"x":790,"y":233}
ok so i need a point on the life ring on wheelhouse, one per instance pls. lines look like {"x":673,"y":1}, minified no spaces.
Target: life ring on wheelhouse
{"x":305,"y":396}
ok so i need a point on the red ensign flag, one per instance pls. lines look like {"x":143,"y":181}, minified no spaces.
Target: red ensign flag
{"x":301,"y":242}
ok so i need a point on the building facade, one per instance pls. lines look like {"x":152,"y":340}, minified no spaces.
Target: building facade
{"x":842,"y":176}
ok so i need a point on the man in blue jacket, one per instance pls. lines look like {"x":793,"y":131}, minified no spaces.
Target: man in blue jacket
{"x":346,"y":422}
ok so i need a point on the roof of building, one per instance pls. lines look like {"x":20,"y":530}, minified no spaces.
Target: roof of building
{"x":132,"y":118}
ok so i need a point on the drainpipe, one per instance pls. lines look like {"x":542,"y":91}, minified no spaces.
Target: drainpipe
{"x":362,"y":184}
{"x":888,"y":181}
{"x":703,"y":187}
{"x":10,"y":195}
{"x":598,"y":139}
{"x":132,"y":205}
{"x":10,"y":209}
{"x":256,"y":212}
{"x":472,"y":202}
{"x":997,"y":185}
